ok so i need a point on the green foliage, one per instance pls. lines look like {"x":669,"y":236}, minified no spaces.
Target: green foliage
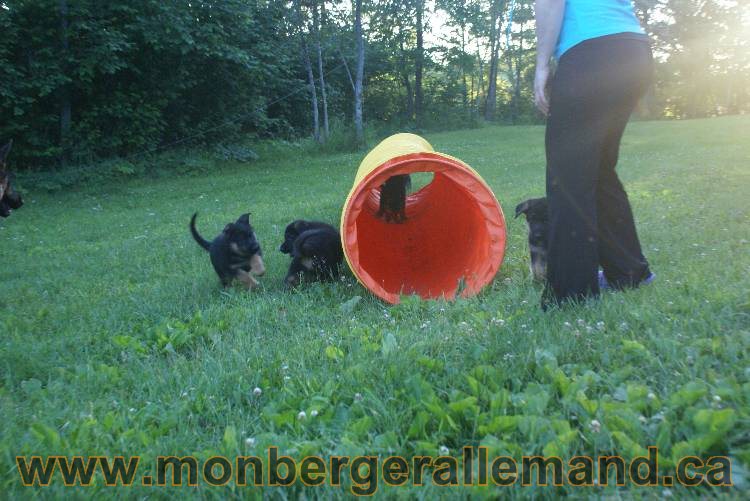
{"x":85,"y":80}
{"x":138,"y":74}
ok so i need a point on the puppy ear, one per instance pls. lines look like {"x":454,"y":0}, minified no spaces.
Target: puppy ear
{"x":5,"y":150}
{"x":244,"y":219}
{"x":523,"y":207}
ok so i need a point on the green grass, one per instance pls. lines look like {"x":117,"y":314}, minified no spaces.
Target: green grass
{"x":117,"y":340}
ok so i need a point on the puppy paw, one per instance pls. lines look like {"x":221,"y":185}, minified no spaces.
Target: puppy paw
{"x":248,"y":280}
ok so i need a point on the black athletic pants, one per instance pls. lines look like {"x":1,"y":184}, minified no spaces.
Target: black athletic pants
{"x":596,"y":87}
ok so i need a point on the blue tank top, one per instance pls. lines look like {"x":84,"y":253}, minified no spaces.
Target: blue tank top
{"x":585,"y":19}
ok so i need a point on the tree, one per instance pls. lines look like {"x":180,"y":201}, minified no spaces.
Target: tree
{"x":318,"y":20}
{"x":496,"y":9}
{"x":308,"y":69}
{"x":519,"y":53}
{"x":419,"y":66}
{"x":358,"y":126}
{"x":65,"y":99}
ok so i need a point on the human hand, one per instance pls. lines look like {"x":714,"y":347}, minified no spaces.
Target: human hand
{"x":540,"y":88}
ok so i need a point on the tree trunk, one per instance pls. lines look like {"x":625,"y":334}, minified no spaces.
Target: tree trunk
{"x":418,"y":68}
{"x":360,"y":73}
{"x":517,"y":86}
{"x":407,"y":83}
{"x":318,"y":19}
{"x":66,"y":111}
{"x":409,"y":97}
{"x":471,"y":93}
{"x":514,"y":70}
{"x":310,"y":76}
{"x":480,"y":88}
{"x":490,"y":104}
{"x":465,"y":89}
{"x":346,"y":67}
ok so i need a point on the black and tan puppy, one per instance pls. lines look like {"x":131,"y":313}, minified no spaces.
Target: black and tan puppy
{"x":235,"y":253}
{"x":296,"y":228}
{"x":535,"y":210}
{"x":315,"y":249}
{"x":9,"y":199}
{"x":393,"y":198}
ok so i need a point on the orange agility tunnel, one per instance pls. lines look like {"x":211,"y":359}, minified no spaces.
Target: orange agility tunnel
{"x":452,"y":241}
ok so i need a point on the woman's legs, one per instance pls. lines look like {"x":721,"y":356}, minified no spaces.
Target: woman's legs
{"x":573,"y":152}
{"x":595,"y":88}
{"x":620,"y":254}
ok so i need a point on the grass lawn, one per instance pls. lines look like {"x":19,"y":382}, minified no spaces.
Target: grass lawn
{"x":117,"y":340}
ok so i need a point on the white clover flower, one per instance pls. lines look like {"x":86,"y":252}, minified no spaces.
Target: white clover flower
{"x":357,"y":397}
{"x":580,"y":321}
{"x":257,"y":392}
{"x":651,"y":395}
{"x":301,"y":416}
{"x":596,"y":426}
{"x":284,"y":367}
{"x":250,"y":442}
{"x":600,"y":325}
{"x":567,"y":324}
{"x":642,"y":419}
{"x":717,"y":398}
{"x":313,"y":413}
{"x":444,"y":451}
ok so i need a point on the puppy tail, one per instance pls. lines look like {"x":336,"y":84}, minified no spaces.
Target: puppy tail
{"x":201,"y":241}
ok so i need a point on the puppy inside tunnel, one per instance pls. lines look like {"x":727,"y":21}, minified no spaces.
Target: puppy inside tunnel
{"x":452,"y":240}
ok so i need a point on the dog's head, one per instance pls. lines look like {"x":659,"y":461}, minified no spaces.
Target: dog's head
{"x":9,"y":199}
{"x":243,"y":242}
{"x":535,"y":210}
{"x":291,"y":233}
